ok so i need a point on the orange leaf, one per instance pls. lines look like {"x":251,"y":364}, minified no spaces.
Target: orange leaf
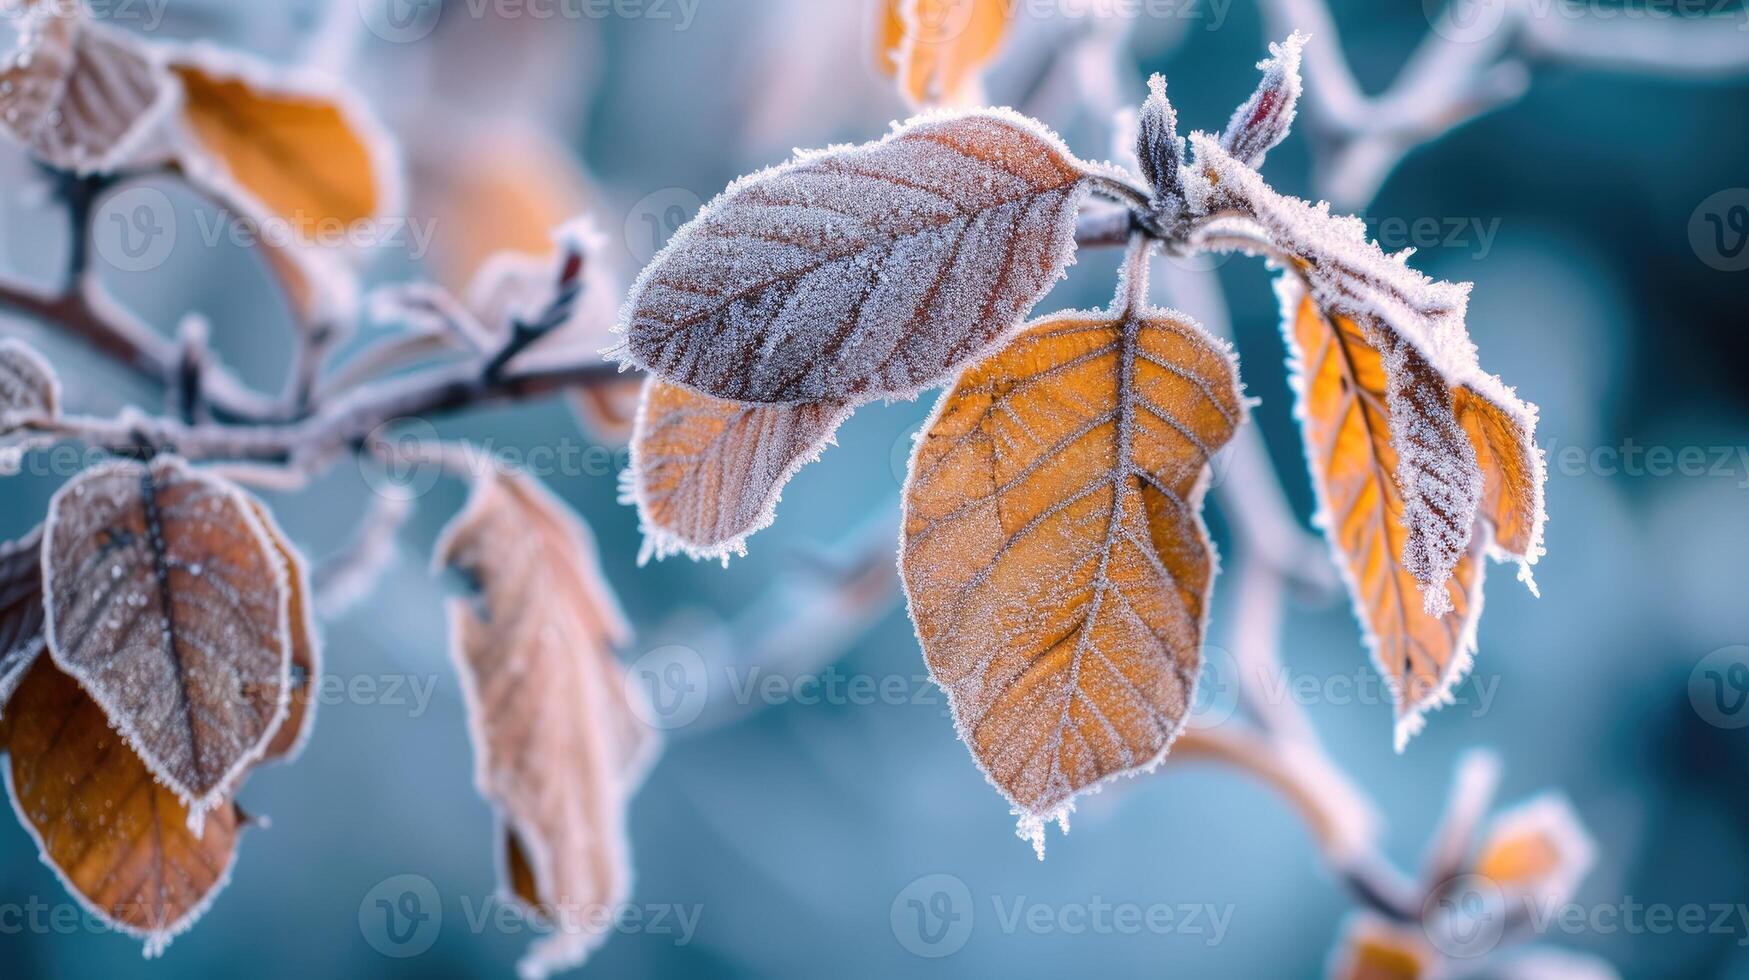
{"x":82,"y":95}
{"x":1346,"y":408}
{"x":166,"y":600}
{"x":707,"y":473}
{"x":119,"y":841}
{"x":306,"y":647}
{"x":1374,"y":949}
{"x":1503,"y":430}
{"x":559,"y":746}
{"x":937,"y":48}
{"x":1539,"y":849}
{"x":1054,"y":552}
{"x":863,"y":272}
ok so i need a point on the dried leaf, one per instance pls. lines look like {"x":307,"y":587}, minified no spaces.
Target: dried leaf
{"x":1539,"y":850}
{"x":306,"y":647}
{"x":558,"y":746}
{"x":120,"y":842}
{"x":938,"y":48}
{"x":28,"y":386}
{"x":863,"y":272}
{"x":1346,"y":409}
{"x":1503,"y":431}
{"x":296,"y":146}
{"x":707,"y":473}
{"x":21,"y":610}
{"x":1054,"y":553}
{"x":1373,"y":948}
{"x":82,"y":95}
{"x":166,"y":599}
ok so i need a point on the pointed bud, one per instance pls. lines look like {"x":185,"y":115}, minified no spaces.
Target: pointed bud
{"x":1264,"y":119}
{"x":1159,"y":149}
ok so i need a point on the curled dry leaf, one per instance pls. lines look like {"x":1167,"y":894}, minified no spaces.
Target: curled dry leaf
{"x":706,"y":473}
{"x":306,"y":646}
{"x":559,"y":746}
{"x":1538,"y":852}
{"x":28,"y":386}
{"x":83,"y":96}
{"x":166,"y":599}
{"x":1054,"y":552}
{"x":861,"y":272}
{"x":119,"y":840}
{"x":937,"y":49}
{"x":21,"y":610}
{"x":1373,"y":948}
{"x":1410,"y":495}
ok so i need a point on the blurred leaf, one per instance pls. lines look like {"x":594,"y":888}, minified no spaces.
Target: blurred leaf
{"x":306,"y":647}
{"x":1054,"y":551}
{"x":119,"y":841}
{"x":168,"y":602}
{"x":559,"y":746}
{"x":28,"y":386}
{"x":21,"y":611}
{"x":707,"y":473}
{"x":864,"y":272}
{"x":1372,"y":948}
{"x":1539,"y":850}
{"x":936,"y":49}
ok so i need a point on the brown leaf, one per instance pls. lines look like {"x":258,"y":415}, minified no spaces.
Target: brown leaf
{"x":1054,"y":552}
{"x":119,"y":841}
{"x":28,"y":386}
{"x":707,"y":473}
{"x":306,"y":647}
{"x":295,"y":146}
{"x":937,"y":48}
{"x":83,"y":96}
{"x":168,"y":602}
{"x":863,"y":272}
{"x":1346,"y":409}
{"x":21,"y":610}
{"x":558,"y":745}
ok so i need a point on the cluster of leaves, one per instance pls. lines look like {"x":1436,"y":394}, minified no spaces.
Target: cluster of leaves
{"x":1053,"y":549}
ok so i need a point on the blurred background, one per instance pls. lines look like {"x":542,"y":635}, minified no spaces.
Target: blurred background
{"x":786,"y":822}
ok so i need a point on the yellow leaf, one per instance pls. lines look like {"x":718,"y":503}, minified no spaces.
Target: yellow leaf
{"x":1503,"y":430}
{"x":706,"y":473}
{"x":938,"y":48}
{"x":1054,"y":552}
{"x":1539,"y":849}
{"x":296,"y":147}
{"x":120,"y":841}
{"x":1343,"y":383}
{"x":1374,"y":949}
{"x":559,"y":745}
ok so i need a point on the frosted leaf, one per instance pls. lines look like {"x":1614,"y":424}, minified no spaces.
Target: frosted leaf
{"x":559,"y":745}
{"x":28,"y":386}
{"x":83,"y":96}
{"x":119,"y":841}
{"x":1373,"y":947}
{"x":306,"y":645}
{"x":863,"y":272}
{"x":1538,"y":851}
{"x":707,"y":473}
{"x":1349,"y":420}
{"x":192,"y":668}
{"x":21,"y":610}
{"x":1263,"y":121}
{"x":1054,"y":553}
{"x":1503,"y":430}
